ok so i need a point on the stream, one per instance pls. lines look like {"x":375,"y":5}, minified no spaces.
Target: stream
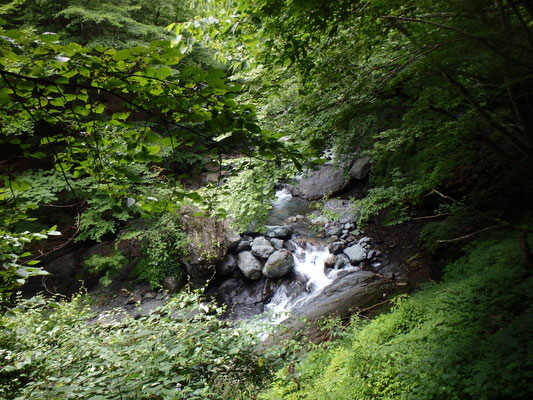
{"x":314,"y":286}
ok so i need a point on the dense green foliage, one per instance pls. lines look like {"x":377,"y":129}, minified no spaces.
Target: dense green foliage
{"x":106,"y":117}
{"x":437,"y":92}
{"x":468,"y":337}
{"x":116,"y":24}
{"x":181,"y":351}
{"x":112,"y":132}
{"x":164,"y":246}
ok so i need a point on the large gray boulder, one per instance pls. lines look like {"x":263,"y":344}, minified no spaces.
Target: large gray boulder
{"x":328,"y":179}
{"x":208,"y":244}
{"x":261,"y":247}
{"x":360,"y":168}
{"x":250,"y":266}
{"x":279,"y":264}
{"x":355,"y":253}
{"x":356,"y":289}
{"x":278,"y":231}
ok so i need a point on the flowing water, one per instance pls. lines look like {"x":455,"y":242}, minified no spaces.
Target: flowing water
{"x":309,"y":253}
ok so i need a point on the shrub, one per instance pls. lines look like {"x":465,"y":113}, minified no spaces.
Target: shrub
{"x":181,"y":351}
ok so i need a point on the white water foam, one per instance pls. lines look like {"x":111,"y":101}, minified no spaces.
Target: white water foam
{"x":282,"y":196}
{"x":310,"y":269}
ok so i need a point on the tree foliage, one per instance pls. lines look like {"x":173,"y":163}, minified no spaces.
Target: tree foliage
{"x":439,"y":93}
{"x":103,"y":119}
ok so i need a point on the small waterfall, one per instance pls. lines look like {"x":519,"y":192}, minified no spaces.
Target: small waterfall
{"x":311,"y":279}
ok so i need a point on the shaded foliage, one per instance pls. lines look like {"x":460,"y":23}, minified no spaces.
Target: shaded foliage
{"x":466,"y":337}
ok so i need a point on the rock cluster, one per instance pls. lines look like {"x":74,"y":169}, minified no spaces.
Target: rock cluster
{"x":260,"y":256}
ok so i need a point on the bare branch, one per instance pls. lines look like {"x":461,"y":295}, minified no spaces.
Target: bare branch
{"x":470,"y":235}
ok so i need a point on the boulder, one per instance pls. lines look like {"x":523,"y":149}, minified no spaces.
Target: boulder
{"x":330,"y":261}
{"x":343,"y":209}
{"x":243,"y":245}
{"x":334,"y":231}
{"x":208,"y":243}
{"x":355,"y":289}
{"x":321,"y":220}
{"x":227,"y":266}
{"x":231,"y":237}
{"x":244,"y":298}
{"x":342,"y":261}
{"x":279,"y":264}
{"x":355,"y":253}
{"x":336,"y":247}
{"x":173,"y":284}
{"x":278,"y":231}
{"x":277,"y":243}
{"x":261,"y":247}
{"x":328,"y":179}
{"x":250,"y":266}
{"x":360,"y":168}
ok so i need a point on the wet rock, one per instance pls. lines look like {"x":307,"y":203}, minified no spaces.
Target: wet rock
{"x":336,"y":247}
{"x":261,"y":247}
{"x":227,"y":266}
{"x":355,"y":253}
{"x":279,"y":264}
{"x":244,"y":298}
{"x":355,"y":289}
{"x":343,"y":209}
{"x":364,"y":239}
{"x":329,"y":261}
{"x":243,"y":246}
{"x":277,"y":243}
{"x":335,"y":231}
{"x":250,"y":266}
{"x":350,"y":239}
{"x":172,"y":284}
{"x":278,"y":231}
{"x":306,"y":242}
{"x":342,"y":261}
{"x":320,"y":220}
{"x":326,"y":180}
{"x":360,"y":168}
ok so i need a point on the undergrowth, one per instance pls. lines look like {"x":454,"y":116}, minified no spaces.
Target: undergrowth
{"x":468,"y":337}
{"x":181,"y":351}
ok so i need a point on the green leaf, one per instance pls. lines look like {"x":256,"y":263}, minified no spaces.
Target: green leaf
{"x":122,"y":55}
{"x":163,"y":72}
{"x":20,"y":185}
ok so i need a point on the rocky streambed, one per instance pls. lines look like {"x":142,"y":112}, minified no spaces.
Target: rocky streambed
{"x":308,"y":263}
